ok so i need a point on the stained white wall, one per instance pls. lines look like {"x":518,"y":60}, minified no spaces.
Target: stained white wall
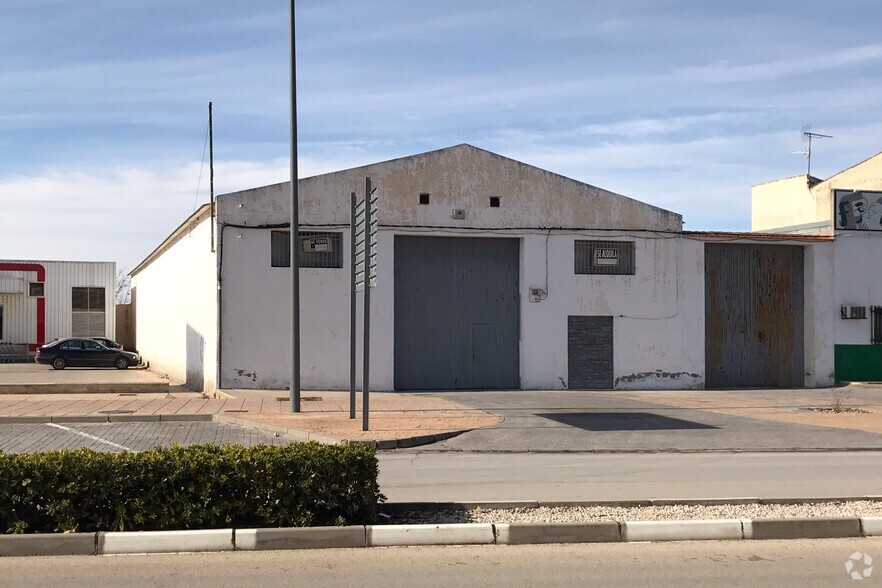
{"x":20,"y":310}
{"x":658,"y":324}
{"x":658,"y":313}
{"x":175,"y":297}
{"x":858,"y":282}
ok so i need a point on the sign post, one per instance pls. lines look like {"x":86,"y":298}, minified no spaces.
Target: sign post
{"x":364,"y":232}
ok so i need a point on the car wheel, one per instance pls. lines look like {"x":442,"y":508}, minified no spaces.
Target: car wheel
{"x":59,"y":363}
{"x":121,"y":363}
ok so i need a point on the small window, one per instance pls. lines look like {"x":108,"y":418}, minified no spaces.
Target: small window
{"x":604,"y":257}
{"x":876,"y":320}
{"x":424,"y":198}
{"x":36,"y":289}
{"x":316,"y":249}
{"x":494,"y":202}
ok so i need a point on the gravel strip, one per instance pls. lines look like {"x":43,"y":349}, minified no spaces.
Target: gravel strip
{"x":581,"y":514}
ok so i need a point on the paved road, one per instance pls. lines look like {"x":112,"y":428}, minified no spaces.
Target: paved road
{"x":745,"y":563}
{"x":438,"y":477}
{"x":15,"y":438}
{"x":579,"y":421}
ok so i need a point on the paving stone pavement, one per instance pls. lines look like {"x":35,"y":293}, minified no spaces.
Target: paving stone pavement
{"x":114,"y":437}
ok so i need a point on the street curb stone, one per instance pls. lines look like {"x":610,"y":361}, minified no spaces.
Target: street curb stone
{"x":48,"y":544}
{"x":708,"y":530}
{"x":300,"y":538}
{"x":537,"y":533}
{"x":871,"y":526}
{"x":449,"y":534}
{"x":165,"y":541}
{"x":804,"y":528}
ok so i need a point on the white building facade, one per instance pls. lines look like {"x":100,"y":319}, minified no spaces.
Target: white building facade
{"x":491,"y":274}
{"x":45,"y":300}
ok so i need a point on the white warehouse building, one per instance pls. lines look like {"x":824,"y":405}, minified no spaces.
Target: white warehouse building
{"x":45,"y":300}
{"x":492,"y":274}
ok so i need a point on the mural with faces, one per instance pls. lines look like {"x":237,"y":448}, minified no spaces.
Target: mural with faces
{"x":858,"y":210}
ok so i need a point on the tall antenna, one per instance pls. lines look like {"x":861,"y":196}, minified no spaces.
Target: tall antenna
{"x":808,"y":135}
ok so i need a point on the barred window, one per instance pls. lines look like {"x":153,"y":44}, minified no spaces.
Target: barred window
{"x":316,"y":249}
{"x":876,"y":320}
{"x":604,"y":257}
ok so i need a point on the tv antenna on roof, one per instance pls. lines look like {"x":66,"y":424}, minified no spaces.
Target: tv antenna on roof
{"x":807,"y":136}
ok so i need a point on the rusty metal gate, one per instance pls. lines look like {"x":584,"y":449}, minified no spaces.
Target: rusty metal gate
{"x":754,"y":316}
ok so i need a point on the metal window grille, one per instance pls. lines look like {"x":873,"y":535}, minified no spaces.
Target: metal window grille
{"x":876,"y":316}
{"x":316,"y":249}
{"x":604,"y":257}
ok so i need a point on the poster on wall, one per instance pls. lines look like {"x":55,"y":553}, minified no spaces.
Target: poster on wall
{"x":858,"y":210}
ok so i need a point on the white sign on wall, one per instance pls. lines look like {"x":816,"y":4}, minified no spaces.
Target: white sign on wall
{"x":606,"y":256}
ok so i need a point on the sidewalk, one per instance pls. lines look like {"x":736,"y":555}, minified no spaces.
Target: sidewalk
{"x":396,"y":420}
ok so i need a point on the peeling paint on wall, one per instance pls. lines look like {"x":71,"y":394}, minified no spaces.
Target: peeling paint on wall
{"x":648,"y":377}
{"x":247,"y":374}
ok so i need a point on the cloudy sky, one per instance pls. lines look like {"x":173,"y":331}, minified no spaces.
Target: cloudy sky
{"x":683,"y":104}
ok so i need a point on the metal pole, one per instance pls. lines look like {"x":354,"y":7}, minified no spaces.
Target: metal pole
{"x":366,"y":382}
{"x":295,"y":236}
{"x":352,"y":313}
{"x":211,"y":169}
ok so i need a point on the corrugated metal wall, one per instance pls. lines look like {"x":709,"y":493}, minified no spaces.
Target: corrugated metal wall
{"x":20,"y":314}
{"x":754,"y":311}
{"x":457,"y":312}
{"x":590,"y":352}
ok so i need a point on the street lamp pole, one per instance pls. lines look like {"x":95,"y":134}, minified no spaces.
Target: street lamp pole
{"x":294,"y":236}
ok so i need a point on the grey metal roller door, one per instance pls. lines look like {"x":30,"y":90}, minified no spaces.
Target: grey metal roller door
{"x":754,"y":316}
{"x":590,"y":352}
{"x":456,"y":313}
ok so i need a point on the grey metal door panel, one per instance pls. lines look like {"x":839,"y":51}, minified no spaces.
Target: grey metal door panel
{"x":456,"y":313}
{"x":754,"y":307}
{"x":590,"y":352}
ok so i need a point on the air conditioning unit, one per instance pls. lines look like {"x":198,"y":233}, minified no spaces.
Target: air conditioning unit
{"x":853,"y":312}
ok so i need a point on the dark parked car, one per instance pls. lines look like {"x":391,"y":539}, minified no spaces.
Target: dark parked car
{"x":84,"y":352}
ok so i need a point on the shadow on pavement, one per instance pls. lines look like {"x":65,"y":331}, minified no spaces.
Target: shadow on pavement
{"x":622,"y":421}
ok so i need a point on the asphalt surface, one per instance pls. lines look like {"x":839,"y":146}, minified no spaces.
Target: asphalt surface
{"x":440,"y":477}
{"x":21,"y":438}
{"x":678,"y":565}
{"x":586,"y":421}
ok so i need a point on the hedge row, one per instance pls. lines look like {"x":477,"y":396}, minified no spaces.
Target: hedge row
{"x":195,"y":487}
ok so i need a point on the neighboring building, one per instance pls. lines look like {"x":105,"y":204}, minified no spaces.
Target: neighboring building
{"x":491,"y":274}
{"x":847,"y":206}
{"x":45,"y":300}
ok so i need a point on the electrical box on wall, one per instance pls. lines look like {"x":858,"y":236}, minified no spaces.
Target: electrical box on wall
{"x":853,"y":312}
{"x":537,"y":294}
{"x":458,"y":214}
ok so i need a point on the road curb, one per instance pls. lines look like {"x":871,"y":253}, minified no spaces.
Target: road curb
{"x":296,"y":434}
{"x":299,"y":538}
{"x":110,"y":418}
{"x":165,"y":541}
{"x":220,"y":540}
{"x":399,"y":507}
{"x":802,"y":528}
{"x":49,"y":544}
{"x":540,"y":533}
{"x":702,"y":530}
{"x":444,"y":534}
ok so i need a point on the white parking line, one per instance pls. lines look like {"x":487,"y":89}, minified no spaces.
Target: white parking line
{"x":92,"y":437}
